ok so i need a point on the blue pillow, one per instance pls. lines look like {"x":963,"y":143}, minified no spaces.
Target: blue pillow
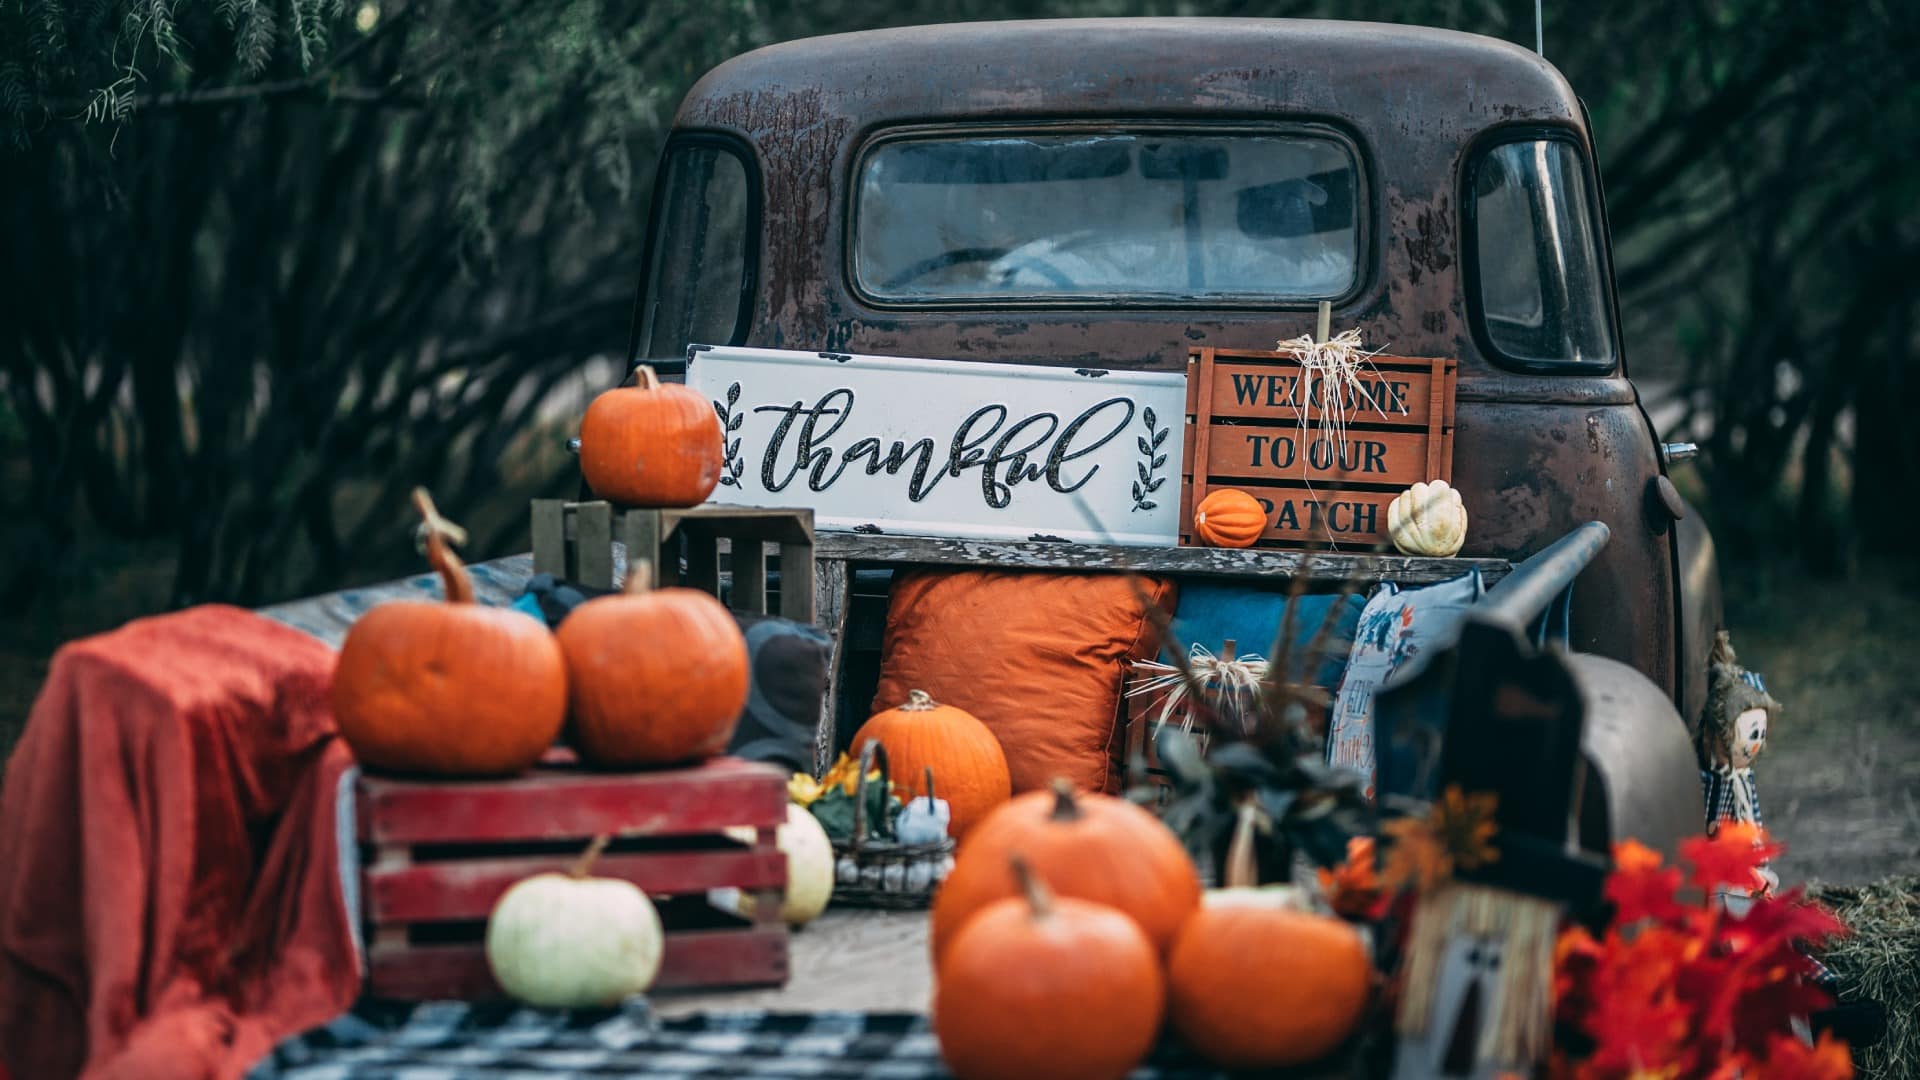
{"x":1209,"y":614}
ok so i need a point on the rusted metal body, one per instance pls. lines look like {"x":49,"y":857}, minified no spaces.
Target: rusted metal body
{"x":1535,"y":455}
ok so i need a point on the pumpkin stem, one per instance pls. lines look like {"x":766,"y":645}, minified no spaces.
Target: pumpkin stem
{"x":1242,"y":870}
{"x":1064,"y":808}
{"x":639,"y":577}
{"x":918,"y":701}
{"x":929,"y":787}
{"x":585,"y":862}
{"x":441,"y":534}
{"x":645,"y":376}
{"x":1039,"y":897}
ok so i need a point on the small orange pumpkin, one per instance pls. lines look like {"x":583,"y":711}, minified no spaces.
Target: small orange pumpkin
{"x":1229,"y":518}
{"x":1237,"y":1008}
{"x":654,"y":678}
{"x":1047,"y":988}
{"x":453,"y":688}
{"x":967,"y":763}
{"x":652,"y":444}
{"x":1089,"y":846}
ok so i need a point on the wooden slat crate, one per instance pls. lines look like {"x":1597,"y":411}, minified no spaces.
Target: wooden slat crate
{"x":436,"y":855}
{"x":574,"y":541}
{"x":1246,"y":428}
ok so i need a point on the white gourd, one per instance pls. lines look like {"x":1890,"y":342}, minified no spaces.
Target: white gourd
{"x":810,"y":866}
{"x":1428,"y":519}
{"x":570,"y":941}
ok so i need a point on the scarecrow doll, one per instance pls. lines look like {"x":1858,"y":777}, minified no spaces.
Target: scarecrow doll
{"x":1733,"y":732}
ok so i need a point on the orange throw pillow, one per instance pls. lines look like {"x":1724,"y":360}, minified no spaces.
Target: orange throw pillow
{"x":1041,"y":658}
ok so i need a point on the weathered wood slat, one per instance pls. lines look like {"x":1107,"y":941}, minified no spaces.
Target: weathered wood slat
{"x":559,"y":805}
{"x":1323,"y":566}
{"x":754,"y":956}
{"x":468,"y":888}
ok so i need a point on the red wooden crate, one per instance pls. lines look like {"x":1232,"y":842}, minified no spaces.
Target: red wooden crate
{"x":436,"y":855}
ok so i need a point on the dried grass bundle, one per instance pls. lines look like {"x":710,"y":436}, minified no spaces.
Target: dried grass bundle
{"x":1329,"y":375}
{"x":1231,"y":686}
{"x":1880,"y":961}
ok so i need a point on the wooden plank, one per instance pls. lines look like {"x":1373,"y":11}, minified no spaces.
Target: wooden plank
{"x":1400,"y":394}
{"x":549,"y":524}
{"x":849,"y":959}
{"x":749,"y":576}
{"x":1361,"y":568}
{"x":832,"y":590}
{"x":593,"y":544}
{"x":752,"y":956}
{"x":1196,"y":462}
{"x":558,"y":805}
{"x":458,"y":889}
{"x":1396,"y":459}
{"x":796,"y":581}
{"x":641,"y":537}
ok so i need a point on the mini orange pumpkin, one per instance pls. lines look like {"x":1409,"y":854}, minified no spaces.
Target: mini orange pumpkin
{"x":1089,"y":846}
{"x":652,"y":444}
{"x":969,"y":768}
{"x":1047,"y":988}
{"x":1229,"y":518}
{"x":1233,"y":1004}
{"x":654,"y":678}
{"x":452,"y":689}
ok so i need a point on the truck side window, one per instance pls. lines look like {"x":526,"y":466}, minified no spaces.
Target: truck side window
{"x":1541,"y":299}
{"x":696,"y":289}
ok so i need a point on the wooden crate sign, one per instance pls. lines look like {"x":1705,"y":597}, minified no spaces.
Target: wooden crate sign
{"x":437,"y":854}
{"x":1253,"y":425}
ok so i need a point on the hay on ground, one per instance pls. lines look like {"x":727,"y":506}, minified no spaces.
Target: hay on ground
{"x":1880,"y":961}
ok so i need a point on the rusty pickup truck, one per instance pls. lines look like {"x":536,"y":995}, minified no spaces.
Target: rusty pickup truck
{"x":1108,"y":192}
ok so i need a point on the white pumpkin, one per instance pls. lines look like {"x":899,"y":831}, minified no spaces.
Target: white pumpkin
{"x":1428,"y":519}
{"x":570,"y":941}
{"x":810,"y":866}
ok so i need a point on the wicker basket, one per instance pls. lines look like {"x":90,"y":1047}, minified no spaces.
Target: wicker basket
{"x":886,"y":869}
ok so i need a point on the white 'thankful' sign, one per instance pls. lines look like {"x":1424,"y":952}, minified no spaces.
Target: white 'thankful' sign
{"x":949,"y":448}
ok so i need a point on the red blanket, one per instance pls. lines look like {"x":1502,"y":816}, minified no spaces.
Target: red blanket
{"x":170,"y":903}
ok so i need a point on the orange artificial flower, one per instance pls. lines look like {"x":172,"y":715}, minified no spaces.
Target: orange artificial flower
{"x":1353,"y":887}
{"x":1457,"y":832}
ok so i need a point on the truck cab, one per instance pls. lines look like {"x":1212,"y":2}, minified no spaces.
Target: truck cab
{"x":1109,"y":192}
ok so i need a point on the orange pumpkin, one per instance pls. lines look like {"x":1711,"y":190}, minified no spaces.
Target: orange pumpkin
{"x":453,"y":688}
{"x":969,"y":769}
{"x":654,"y":678}
{"x":1233,"y":1004}
{"x":1047,"y":988}
{"x":652,"y":444}
{"x":1229,"y":518}
{"x":1089,"y":846}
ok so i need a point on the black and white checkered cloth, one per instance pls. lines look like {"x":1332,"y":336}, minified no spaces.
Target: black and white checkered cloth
{"x":455,"y":1041}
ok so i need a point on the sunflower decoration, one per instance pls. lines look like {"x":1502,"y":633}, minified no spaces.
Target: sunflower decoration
{"x":830,"y":798}
{"x":1456,"y":834}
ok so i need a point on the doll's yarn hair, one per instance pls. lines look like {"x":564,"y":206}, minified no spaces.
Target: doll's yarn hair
{"x":1731,"y":690}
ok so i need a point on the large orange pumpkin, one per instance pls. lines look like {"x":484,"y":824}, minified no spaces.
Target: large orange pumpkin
{"x":1233,"y":1004}
{"x":1089,"y":846}
{"x":969,"y":768}
{"x":453,"y":688}
{"x":1229,"y":518}
{"x":654,"y":678}
{"x":651,"y":444}
{"x":1046,"y":988}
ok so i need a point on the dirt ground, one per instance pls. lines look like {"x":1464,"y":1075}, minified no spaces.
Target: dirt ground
{"x":1840,"y":782}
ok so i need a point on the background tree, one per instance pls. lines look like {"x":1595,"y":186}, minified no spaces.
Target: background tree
{"x":269,"y":262}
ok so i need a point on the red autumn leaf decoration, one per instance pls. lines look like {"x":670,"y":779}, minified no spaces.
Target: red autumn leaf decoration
{"x":1353,"y":888}
{"x":1731,"y":857}
{"x":1639,"y":887}
{"x":1686,"y":991}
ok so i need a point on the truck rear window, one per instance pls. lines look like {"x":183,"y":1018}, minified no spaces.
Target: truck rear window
{"x":1149,"y":216}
